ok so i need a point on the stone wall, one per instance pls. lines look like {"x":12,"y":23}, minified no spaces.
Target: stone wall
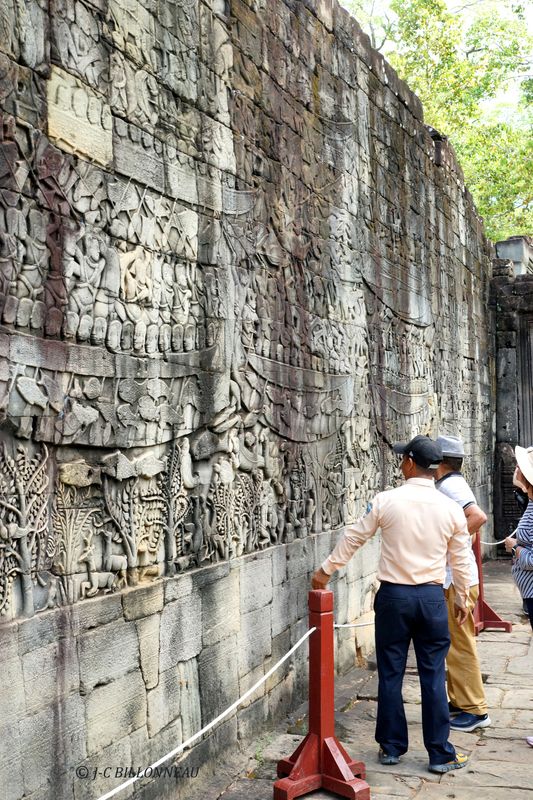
{"x":234,"y":267}
{"x":512,"y":299}
{"x":118,"y":681}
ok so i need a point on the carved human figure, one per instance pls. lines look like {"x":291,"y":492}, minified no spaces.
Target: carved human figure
{"x":213,"y":306}
{"x":189,"y":479}
{"x":83,"y":271}
{"x":194,"y":534}
{"x":182,"y":300}
{"x":136,"y":275}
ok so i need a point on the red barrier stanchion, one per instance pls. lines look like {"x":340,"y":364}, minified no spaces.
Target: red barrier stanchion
{"x":484,"y":615}
{"x":320,"y":761}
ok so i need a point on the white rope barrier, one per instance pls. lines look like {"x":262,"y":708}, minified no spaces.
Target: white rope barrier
{"x":354,"y":625}
{"x":492,"y":544}
{"x":212,"y":724}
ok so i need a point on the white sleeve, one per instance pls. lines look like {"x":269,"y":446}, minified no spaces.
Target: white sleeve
{"x":354,"y":535}
{"x":456,"y":488}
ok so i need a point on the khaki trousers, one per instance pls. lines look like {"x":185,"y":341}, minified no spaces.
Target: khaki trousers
{"x":465,"y":686}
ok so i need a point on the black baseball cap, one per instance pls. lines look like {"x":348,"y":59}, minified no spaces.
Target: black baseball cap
{"x":423,"y":450}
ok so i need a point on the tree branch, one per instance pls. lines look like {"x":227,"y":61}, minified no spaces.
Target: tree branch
{"x":10,"y":507}
{"x":458,"y":9}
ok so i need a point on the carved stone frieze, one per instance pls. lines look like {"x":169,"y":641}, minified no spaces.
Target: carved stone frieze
{"x":231,"y":275}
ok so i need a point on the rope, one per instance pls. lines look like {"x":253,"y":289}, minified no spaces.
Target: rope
{"x":492,"y":544}
{"x":355,"y":625}
{"x":212,"y":724}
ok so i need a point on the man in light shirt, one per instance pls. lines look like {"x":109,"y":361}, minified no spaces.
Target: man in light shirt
{"x":468,"y":706}
{"x":420,"y":529}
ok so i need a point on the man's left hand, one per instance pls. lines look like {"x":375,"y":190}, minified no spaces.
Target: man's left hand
{"x":461,"y":615}
{"x":320,"y":579}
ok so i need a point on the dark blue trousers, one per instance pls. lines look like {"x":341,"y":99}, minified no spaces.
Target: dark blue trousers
{"x":529,"y":605}
{"x":418,"y":614}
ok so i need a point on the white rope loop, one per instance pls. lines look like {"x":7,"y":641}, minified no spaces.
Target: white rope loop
{"x":212,"y":724}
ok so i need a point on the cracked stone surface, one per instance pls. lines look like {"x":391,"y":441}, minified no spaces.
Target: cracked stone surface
{"x":500,"y":760}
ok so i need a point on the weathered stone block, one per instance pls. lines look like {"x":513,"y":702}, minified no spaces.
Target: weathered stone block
{"x":278,"y":557}
{"x":256,"y":583}
{"x":42,"y":630}
{"x":252,"y":719}
{"x":213,"y":573}
{"x":93,"y":613}
{"x":255,"y":638}
{"x":218,"y":670}
{"x":114,"y":710}
{"x":108,"y":653}
{"x":191,"y":710}
{"x":300,"y":559}
{"x":143,"y":601}
{"x":103,"y":771}
{"x":281,"y":644}
{"x":54,"y":669}
{"x":11,"y":759}
{"x":345,"y":650}
{"x":181,"y":631}
{"x":148,"y":633}
{"x":178,"y":588}
{"x":284,"y":607}
{"x":138,"y":155}
{"x":148,"y":750}
{"x":221,"y":608}
{"x":12,"y":702}
{"x":246,"y":682}
{"x":55,"y":735}
{"x":164,"y":701}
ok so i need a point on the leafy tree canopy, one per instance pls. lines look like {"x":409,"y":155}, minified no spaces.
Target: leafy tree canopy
{"x":471,"y":64}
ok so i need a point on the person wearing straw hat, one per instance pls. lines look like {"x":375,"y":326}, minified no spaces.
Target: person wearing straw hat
{"x":419,"y":527}
{"x":468,"y":705}
{"x":520,"y":544}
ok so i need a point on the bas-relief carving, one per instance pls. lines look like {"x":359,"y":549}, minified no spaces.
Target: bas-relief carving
{"x":21,"y":92}
{"x":78,"y":120}
{"x":25,"y":543}
{"x":208,"y":283}
{"x":24,"y":32}
{"x":77,"y":42}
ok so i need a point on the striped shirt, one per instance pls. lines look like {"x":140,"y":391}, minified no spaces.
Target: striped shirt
{"x":523,"y":565}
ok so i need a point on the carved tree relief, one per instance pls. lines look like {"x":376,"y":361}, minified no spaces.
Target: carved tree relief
{"x":25,"y":547}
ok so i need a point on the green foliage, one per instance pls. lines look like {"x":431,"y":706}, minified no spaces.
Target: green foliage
{"x":458,"y":60}
{"x":497,"y":161}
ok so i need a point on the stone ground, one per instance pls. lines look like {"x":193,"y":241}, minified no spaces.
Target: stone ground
{"x":501,"y":763}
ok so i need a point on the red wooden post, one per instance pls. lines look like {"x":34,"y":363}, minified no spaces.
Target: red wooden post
{"x":484,"y":615}
{"x":320,"y":761}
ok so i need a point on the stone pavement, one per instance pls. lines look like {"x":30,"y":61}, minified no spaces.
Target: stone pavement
{"x":501,"y":763}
